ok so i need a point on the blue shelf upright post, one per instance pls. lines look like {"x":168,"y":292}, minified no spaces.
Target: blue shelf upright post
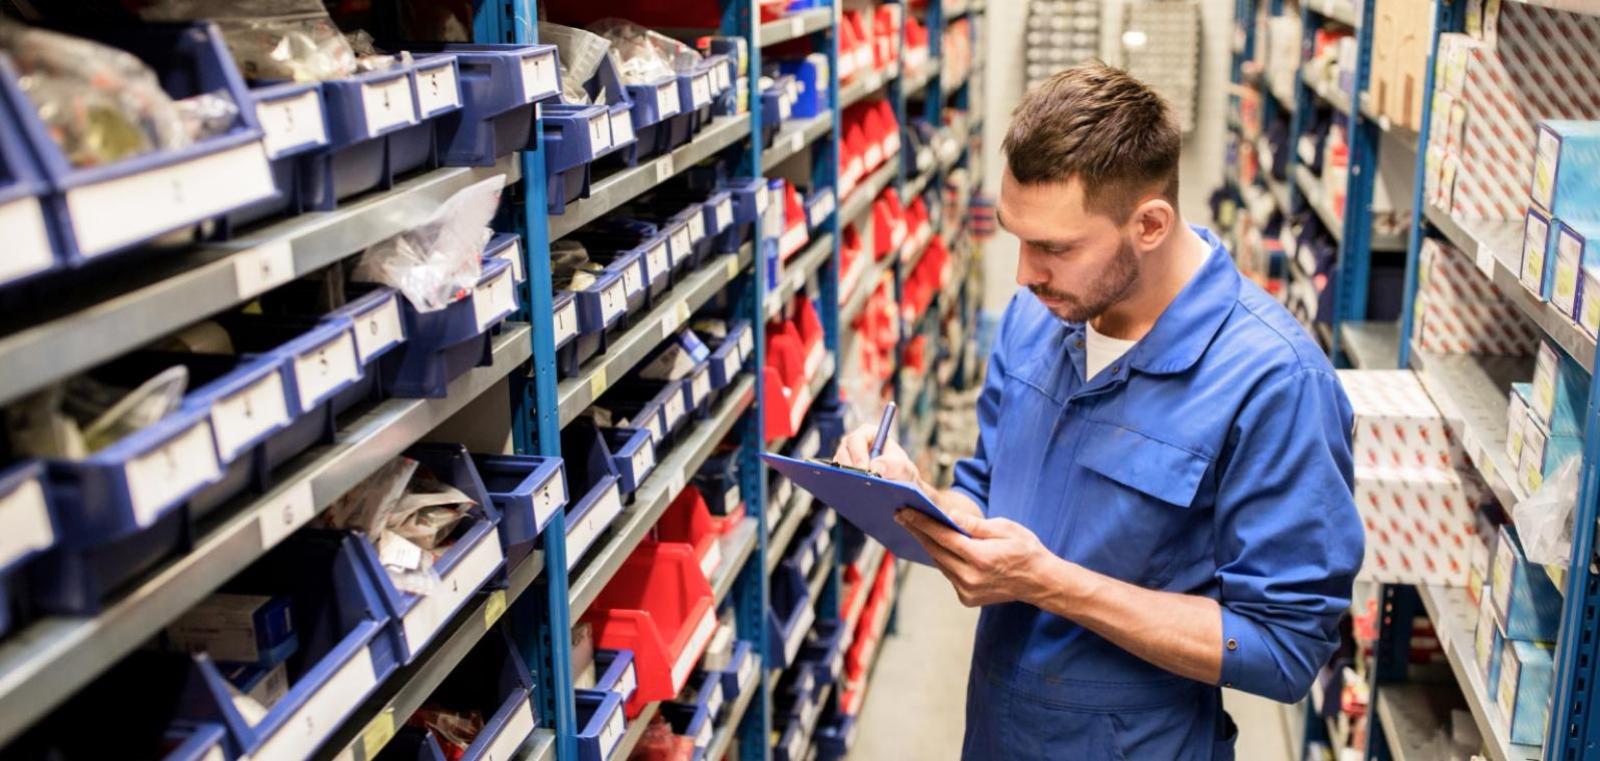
{"x":1354,"y":267}
{"x":825,"y":173}
{"x":1446,"y":18}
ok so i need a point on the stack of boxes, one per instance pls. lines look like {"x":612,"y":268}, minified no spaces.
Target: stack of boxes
{"x":1543,"y":427}
{"x":1519,"y":616}
{"x":1060,"y":33}
{"x":1399,"y":63}
{"x":1561,"y":232}
{"x":1415,"y":489}
{"x":1458,"y":311}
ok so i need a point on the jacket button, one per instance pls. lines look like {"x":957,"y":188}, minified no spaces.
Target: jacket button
{"x":1080,"y":343}
{"x":1116,"y":369}
{"x":1233,"y":644}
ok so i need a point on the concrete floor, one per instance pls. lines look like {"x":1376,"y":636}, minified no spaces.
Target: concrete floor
{"x":915,"y":705}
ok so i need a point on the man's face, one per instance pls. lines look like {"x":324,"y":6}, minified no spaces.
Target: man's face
{"x":1079,"y":263}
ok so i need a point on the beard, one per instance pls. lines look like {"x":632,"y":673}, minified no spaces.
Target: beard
{"x":1114,"y":284}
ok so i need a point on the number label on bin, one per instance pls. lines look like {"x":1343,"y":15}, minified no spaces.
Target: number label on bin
{"x":724,"y":213}
{"x":714,"y":700}
{"x":747,"y":344}
{"x":633,"y":277}
{"x":712,"y":559}
{"x":317,"y":373}
{"x":552,"y":495}
{"x":702,"y":739}
{"x":693,"y":649}
{"x":599,"y":134}
{"x":697,"y":227}
{"x":24,"y":522}
{"x":289,"y":512}
{"x":723,"y":81}
{"x":307,"y":727}
{"x":674,"y":408}
{"x":747,"y":673}
{"x":761,"y":199}
{"x":628,"y":682}
{"x":239,"y":419}
{"x":582,"y":535}
{"x":682,"y":242}
{"x":538,"y":76}
{"x":512,"y":254}
{"x":611,"y":732}
{"x":292,"y":122}
{"x":437,"y":90}
{"x":28,"y":246}
{"x":643,"y":460}
{"x":516,"y":729}
{"x":700,"y":386}
{"x":700,"y":90}
{"x":731,"y":497}
{"x":493,"y":300}
{"x":432,"y":609}
{"x":613,"y":300}
{"x":170,"y":472}
{"x":822,"y":208}
{"x":653,"y":422}
{"x":378,"y":329}
{"x":388,"y":104}
{"x":566,"y":321}
{"x":621,"y":128}
{"x":657,"y":261}
{"x":667,"y":100}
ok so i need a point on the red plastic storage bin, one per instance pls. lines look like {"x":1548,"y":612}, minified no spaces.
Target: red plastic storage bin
{"x":886,"y":35}
{"x":688,"y":521}
{"x":795,"y":234}
{"x":659,"y":605}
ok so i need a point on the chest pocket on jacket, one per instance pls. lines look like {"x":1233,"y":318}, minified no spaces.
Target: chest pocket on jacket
{"x":1141,"y":492}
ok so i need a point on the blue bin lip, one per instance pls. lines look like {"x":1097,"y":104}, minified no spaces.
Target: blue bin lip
{"x":630,"y":260}
{"x":675,"y":230}
{"x":565,"y":331}
{"x":197,"y":740}
{"x":357,"y":309}
{"x":712,"y":208}
{"x":422,"y":64}
{"x":500,"y":245}
{"x":324,"y":333}
{"x":648,"y":109}
{"x":701,"y":369}
{"x":614,"y":667}
{"x":694,"y":87}
{"x":496,"y":55}
{"x":593,"y":320}
{"x":268,"y":93}
{"x":541,"y":473}
{"x":251,"y":370}
{"x":12,"y":479}
{"x":346,"y":130}
{"x":595,"y":708}
{"x":147,"y":439}
{"x":621,"y":115}
{"x":634,"y":446}
{"x":571,"y":121}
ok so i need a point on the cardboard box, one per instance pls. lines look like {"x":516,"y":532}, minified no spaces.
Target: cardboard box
{"x":237,"y":628}
{"x":1527,"y":675}
{"x":1527,"y":603}
{"x":1543,"y":453}
{"x":1397,"y":424}
{"x":1559,"y":392}
{"x":1577,"y":247}
{"x":1566,"y":170}
{"x":1589,"y":302}
{"x":1516,"y":418}
{"x":1538,"y":252}
{"x":1486,"y":643}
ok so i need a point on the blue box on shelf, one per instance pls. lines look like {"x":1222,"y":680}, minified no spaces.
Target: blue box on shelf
{"x":1538,"y":253}
{"x":828,"y":416}
{"x":631,"y":408}
{"x":495,"y":683}
{"x":417,"y":147}
{"x":444,"y":344}
{"x":527,"y":491}
{"x":605,"y":88}
{"x":791,"y":613}
{"x":593,"y":474}
{"x":1577,"y":248}
{"x":363,"y":110}
{"x":654,"y":104}
{"x":697,"y":388}
{"x":820,"y":205}
{"x":810,"y":76}
{"x":575,"y":136}
{"x":835,"y":736}
{"x":814,"y":541}
{"x":600,"y":306}
{"x":500,"y":85}
{"x":615,"y":673}
{"x":726,"y":358}
{"x":564,"y":319}
{"x":31,"y":248}
{"x":1565,"y":166}
{"x":691,"y":720}
{"x":718,"y":481}
{"x":342,"y":659}
{"x":470,"y":561}
{"x":1527,"y":676}
{"x":379,"y":328}
{"x":741,"y":671}
{"x":320,"y":363}
{"x":749,"y":196}
{"x":636,"y":397}
{"x":717,"y":210}
{"x":618,"y":239}
{"x":601,"y":724}
{"x":101,"y":210}
{"x":31,"y":530}
{"x":628,"y":261}
{"x":777,"y":105}
{"x":633,"y":451}
{"x":824,"y":649}
{"x":294,"y":125}
{"x":1527,"y":603}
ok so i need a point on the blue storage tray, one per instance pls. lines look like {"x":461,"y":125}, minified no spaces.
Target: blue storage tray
{"x":418,"y":147}
{"x":30,"y":245}
{"x":614,"y":673}
{"x":599,"y":307}
{"x":741,"y":673}
{"x":824,"y":649}
{"x":828,"y":417}
{"x":749,"y":196}
{"x":629,"y":265}
{"x":574,"y":137}
{"x":635,"y":411}
{"x":31,"y":525}
{"x":815,"y":540}
{"x":726,"y":358}
{"x":777,"y":103}
{"x":654,"y":104}
{"x":697,"y":388}
{"x":379,"y":327}
{"x":320,"y":363}
{"x":790,"y":614}
{"x":617,"y":239}
{"x":811,"y":83}
{"x":592,"y":473}
{"x":493,"y":681}
{"x":72,"y":579}
{"x":693,"y":721}
{"x":835,"y":736}
{"x":637,"y":396}
{"x":470,"y":562}
{"x":444,"y":344}
{"x":601,"y":724}
{"x":718,"y":481}
{"x":633,"y":451}
{"x":565,"y":321}
{"x":294,"y":125}
{"x":364,"y":111}
{"x":345,"y":650}
{"x":500,"y":85}
{"x":106,"y":209}
{"x":527,"y":491}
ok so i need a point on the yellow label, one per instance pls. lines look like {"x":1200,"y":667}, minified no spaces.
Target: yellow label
{"x":378,"y":733}
{"x":1566,"y":283}
{"x":495,"y":609}
{"x":733,"y":267}
{"x":683,"y":312}
{"x":598,"y":383}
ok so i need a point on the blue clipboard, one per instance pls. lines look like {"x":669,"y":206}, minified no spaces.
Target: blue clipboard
{"x":866,"y":500}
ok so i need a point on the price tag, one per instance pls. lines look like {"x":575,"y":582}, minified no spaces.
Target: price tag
{"x":598,"y":383}
{"x":664,"y":169}
{"x":492,"y":301}
{"x":682,"y":243}
{"x":513,"y":255}
{"x":28,"y":248}
{"x":388,"y":104}
{"x":378,"y":733}
{"x":539,"y":76}
{"x":325,"y":369}
{"x":263,"y":268}
{"x":724,"y":213}
{"x":599,"y":133}
{"x":621,"y":128}
{"x":613,"y":300}
{"x":437,"y":91}
{"x":643,"y":460}
{"x":158,"y":478}
{"x":633,"y":277}
{"x":291,"y":122}
{"x":289,"y":511}
{"x":24,"y":521}
{"x":243,"y":417}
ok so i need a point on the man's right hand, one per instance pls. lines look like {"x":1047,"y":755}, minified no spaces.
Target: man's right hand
{"x":855,"y":451}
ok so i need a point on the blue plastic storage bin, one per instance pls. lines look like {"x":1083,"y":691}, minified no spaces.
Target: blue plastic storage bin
{"x":379,"y":326}
{"x":726,"y":359}
{"x":566,"y":323}
{"x":417,"y":147}
{"x":742,"y":672}
{"x":471,"y":560}
{"x":718,"y":481}
{"x":630,"y":409}
{"x":320,"y":362}
{"x":601,"y":724}
{"x":629,"y":265}
{"x":824,"y":649}
{"x":633,"y":451}
{"x":444,"y":344}
{"x":834,"y":737}
{"x":345,"y":651}
{"x":600,"y":306}
{"x":654,"y":104}
{"x":31,"y":529}
{"x":364,"y":111}
{"x":294,"y":126}
{"x":749,"y":197}
{"x":24,"y":194}
{"x":810,"y":79}
{"x":820,"y":205}
{"x":777,"y":104}
{"x":636,"y":397}
{"x":575,"y":136}
{"x":106,"y":209}
{"x":494,"y":682}
{"x":694,"y":721}
{"x":593,"y":474}
{"x":638,"y":251}
{"x":615,"y":673}
{"x":500,"y":85}
{"x":694,"y":99}
{"x":697,"y":389}
{"x":527,"y":491}
{"x":790,"y":614}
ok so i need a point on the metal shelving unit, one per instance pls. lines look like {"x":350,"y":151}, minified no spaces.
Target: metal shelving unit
{"x":1371,"y":345}
{"x":798,"y":271}
{"x":1454,"y":617}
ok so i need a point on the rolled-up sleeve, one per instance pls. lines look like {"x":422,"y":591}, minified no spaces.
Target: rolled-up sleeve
{"x":1288,"y":536}
{"x":972,"y":473}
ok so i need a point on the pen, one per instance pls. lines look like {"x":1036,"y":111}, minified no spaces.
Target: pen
{"x":883,"y":430}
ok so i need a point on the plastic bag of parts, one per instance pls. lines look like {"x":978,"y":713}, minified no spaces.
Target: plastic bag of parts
{"x":269,"y":39}
{"x":369,"y":57}
{"x":644,"y":55}
{"x":581,"y":53}
{"x":437,"y":262}
{"x":83,"y":415}
{"x":99,"y":103}
{"x":570,"y":268}
{"x":408,"y":515}
{"x":1544,"y":518}
{"x":454,"y":730}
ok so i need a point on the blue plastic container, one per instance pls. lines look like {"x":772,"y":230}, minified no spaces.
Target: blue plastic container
{"x":107,"y":209}
{"x":565,"y":320}
{"x":600,"y":306}
{"x":601,"y":724}
{"x":527,"y":491}
{"x":24,"y":194}
{"x":606,"y":88}
{"x":741,"y":673}
{"x":575,"y":136}
{"x":379,"y":327}
{"x":697,"y":389}
{"x":790,"y":614}
{"x":614,"y":673}
{"x":629,"y":265}
{"x":718,"y":481}
{"x":31,"y":530}
{"x":494,"y":682}
{"x":777,"y":104}
{"x":593,"y":474}
{"x":633,"y":451}
{"x":639,"y":251}
{"x":820,"y":205}
{"x":500,"y":85}
{"x":654,"y":105}
{"x":364,"y":111}
{"x":694,"y":99}
{"x":749,"y":197}
{"x":345,"y":650}
{"x":294,"y":125}
{"x":835,"y":735}
{"x":694,"y":721}
{"x":630,"y":409}
{"x":444,"y":344}
{"x":636,"y":397}
{"x":320,"y":364}
{"x":811,"y":85}
{"x":435,"y":88}
{"x":726,"y":359}
{"x":824,"y":649}
{"x":472,"y":559}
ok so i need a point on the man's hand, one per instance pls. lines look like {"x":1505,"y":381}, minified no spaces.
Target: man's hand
{"x":1000,"y":562}
{"x":855,"y":450}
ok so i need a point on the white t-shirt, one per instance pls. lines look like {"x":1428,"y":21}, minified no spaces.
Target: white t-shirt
{"x":1102,"y":350}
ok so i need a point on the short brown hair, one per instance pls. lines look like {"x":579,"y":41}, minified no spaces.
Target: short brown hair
{"x":1102,"y":126}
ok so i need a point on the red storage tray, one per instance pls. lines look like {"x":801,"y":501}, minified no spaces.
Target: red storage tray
{"x":795,"y":231}
{"x":659,"y":605}
{"x":688,"y":521}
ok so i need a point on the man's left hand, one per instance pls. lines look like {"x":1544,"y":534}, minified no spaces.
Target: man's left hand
{"x":1001,"y":561}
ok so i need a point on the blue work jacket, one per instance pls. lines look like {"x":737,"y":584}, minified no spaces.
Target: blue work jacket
{"x":1212,"y":459}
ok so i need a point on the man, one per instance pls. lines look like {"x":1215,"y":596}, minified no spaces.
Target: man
{"x":1160,"y":502}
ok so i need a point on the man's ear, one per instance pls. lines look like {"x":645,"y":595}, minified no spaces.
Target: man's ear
{"x":1152,"y":221}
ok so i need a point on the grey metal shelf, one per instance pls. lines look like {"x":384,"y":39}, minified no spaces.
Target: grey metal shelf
{"x":101,"y":321}
{"x":1337,"y":10}
{"x":576,"y":394}
{"x":607,"y":193}
{"x":1411,"y":718}
{"x":862,"y":195}
{"x":797,"y":271}
{"x":722,"y":741}
{"x":1371,"y":345}
{"x":795,"y":512}
{"x":1454,"y":616}
{"x":658,"y":491}
{"x":374,"y":724}
{"x":1496,"y":247}
{"x":1471,"y":394}
{"x":794,"y":25}
{"x":865,"y":84}
{"x":793,"y":139}
{"x":48,"y":661}
{"x":736,"y":549}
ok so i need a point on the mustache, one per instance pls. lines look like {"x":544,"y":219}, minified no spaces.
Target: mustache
{"x":1045,"y":292}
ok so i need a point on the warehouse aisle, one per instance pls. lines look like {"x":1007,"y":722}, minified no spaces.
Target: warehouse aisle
{"x":915,"y":709}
